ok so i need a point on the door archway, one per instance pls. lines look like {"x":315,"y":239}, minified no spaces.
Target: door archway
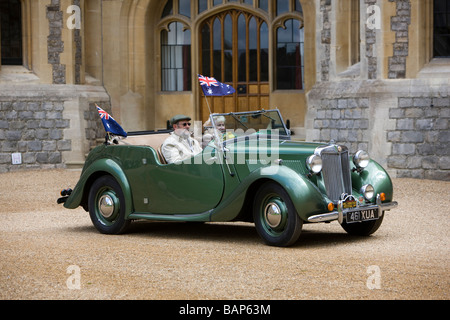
{"x":256,"y":46}
{"x":234,"y":49}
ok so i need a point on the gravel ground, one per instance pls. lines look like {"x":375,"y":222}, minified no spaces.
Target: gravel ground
{"x":41,"y":242}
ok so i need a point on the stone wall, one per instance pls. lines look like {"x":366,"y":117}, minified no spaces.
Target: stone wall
{"x":34,"y":129}
{"x":344,"y":120}
{"x":421,"y":138}
{"x":339,"y":112}
{"x":404,"y":125}
{"x":50,"y":126}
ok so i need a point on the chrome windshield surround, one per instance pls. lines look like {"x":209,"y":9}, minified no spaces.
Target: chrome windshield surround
{"x":252,"y":121}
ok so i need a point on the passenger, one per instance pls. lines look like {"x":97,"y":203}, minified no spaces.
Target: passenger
{"x":209,"y":131}
{"x":220,"y":125}
{"x":180,"y":145}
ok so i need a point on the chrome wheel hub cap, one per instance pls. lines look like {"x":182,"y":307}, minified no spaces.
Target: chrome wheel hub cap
{"x":272,"y":214}
{"x":106,"y":206}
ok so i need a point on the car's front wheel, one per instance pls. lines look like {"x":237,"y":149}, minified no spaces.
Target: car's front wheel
{"x":276,"y":219}
{"x":107,"y":206}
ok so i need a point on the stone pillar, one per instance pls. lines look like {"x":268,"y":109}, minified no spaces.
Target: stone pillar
{"x":72,"y":35}
{"x":325,"y":39}
{"x":55,"y":44}
{"x":399,"y":24}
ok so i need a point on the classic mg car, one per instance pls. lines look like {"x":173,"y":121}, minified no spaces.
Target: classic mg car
{"x":254,"y":173}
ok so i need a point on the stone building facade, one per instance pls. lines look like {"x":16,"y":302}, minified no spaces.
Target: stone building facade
{"x":373,"y":74}
{"x":395,"y":101}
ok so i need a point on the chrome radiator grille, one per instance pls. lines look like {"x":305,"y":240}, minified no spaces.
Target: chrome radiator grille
{"x":336,"y":173}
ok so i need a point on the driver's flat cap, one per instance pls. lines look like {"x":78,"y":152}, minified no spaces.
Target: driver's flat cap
{"x":179,"y":117}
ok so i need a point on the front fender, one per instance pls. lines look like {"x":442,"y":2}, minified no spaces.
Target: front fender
{"x":374,"y":174}
{"x":96,"y":169}
{"x":306,"y":197}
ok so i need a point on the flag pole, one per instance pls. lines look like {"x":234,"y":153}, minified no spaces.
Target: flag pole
{"x":216,"y":135}
{"x":220,"y":144}
{"x":207,"y":103}
{"x":212,"y":120}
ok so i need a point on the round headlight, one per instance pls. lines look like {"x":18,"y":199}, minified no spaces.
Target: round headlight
{"x":361,"y":159}
{"x":314,"y":163}
{"x":367,"y":191}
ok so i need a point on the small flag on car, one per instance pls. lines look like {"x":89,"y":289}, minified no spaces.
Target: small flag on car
{"x":110,"y":124}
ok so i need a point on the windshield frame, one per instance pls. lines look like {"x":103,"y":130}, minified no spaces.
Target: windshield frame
{"x":286,"y":135}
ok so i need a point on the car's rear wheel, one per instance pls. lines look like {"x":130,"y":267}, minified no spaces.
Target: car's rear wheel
{"x":275,"y":217}
{"x":364,"y":228}
{"x":107,"y":206}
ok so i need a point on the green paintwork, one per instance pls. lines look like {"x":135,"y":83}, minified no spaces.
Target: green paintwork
{"x":95,"y":168}
{"x":210,"y":188}
{"x":377,"y":177}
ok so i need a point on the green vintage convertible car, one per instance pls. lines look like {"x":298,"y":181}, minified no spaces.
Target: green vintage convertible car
{"x":253,"y":173}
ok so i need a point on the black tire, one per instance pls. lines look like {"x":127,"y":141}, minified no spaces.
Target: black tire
{"x":107,"y":206}
{"x":365,"y":228}
{"x":276,"y":219}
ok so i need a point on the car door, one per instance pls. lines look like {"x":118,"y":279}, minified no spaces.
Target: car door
{"x":194,"y":186}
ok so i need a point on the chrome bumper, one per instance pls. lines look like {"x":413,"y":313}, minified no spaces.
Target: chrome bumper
{"x":341,"y":212}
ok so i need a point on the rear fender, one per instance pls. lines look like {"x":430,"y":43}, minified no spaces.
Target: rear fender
{"x":80,"y":193}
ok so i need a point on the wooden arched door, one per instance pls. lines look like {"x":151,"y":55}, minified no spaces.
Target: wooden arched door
{"x":234,"y":49}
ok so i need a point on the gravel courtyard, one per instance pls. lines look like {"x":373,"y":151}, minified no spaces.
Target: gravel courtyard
{"x":49,"y":252}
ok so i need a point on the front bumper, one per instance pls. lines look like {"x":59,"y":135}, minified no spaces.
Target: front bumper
{"x":341,"y":212}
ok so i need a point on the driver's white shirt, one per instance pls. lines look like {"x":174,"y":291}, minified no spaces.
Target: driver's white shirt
{"x":177,"y":148}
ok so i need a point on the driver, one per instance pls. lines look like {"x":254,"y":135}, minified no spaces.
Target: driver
{"x":180,"y":145}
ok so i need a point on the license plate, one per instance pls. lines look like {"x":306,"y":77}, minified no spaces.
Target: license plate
{"x":362,"y":215}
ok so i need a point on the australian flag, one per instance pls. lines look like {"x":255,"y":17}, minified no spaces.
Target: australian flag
{"x":110,"y":124}
{"x":212,"y":87}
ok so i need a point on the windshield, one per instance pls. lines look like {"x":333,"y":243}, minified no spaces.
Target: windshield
{"x":246,"y":123}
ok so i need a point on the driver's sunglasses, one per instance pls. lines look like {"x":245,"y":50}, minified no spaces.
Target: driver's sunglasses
{"x":184,"y":124}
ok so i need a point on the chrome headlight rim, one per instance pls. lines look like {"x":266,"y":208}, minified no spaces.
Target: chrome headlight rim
{"x":361,"y":159}
{"x":368,"y":192}
{"x":314,"y":163}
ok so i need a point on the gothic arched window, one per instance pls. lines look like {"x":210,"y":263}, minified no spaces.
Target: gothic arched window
{"x":289,"y":55}
{"x":233,"y":44}
{"x":175,"y":58}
